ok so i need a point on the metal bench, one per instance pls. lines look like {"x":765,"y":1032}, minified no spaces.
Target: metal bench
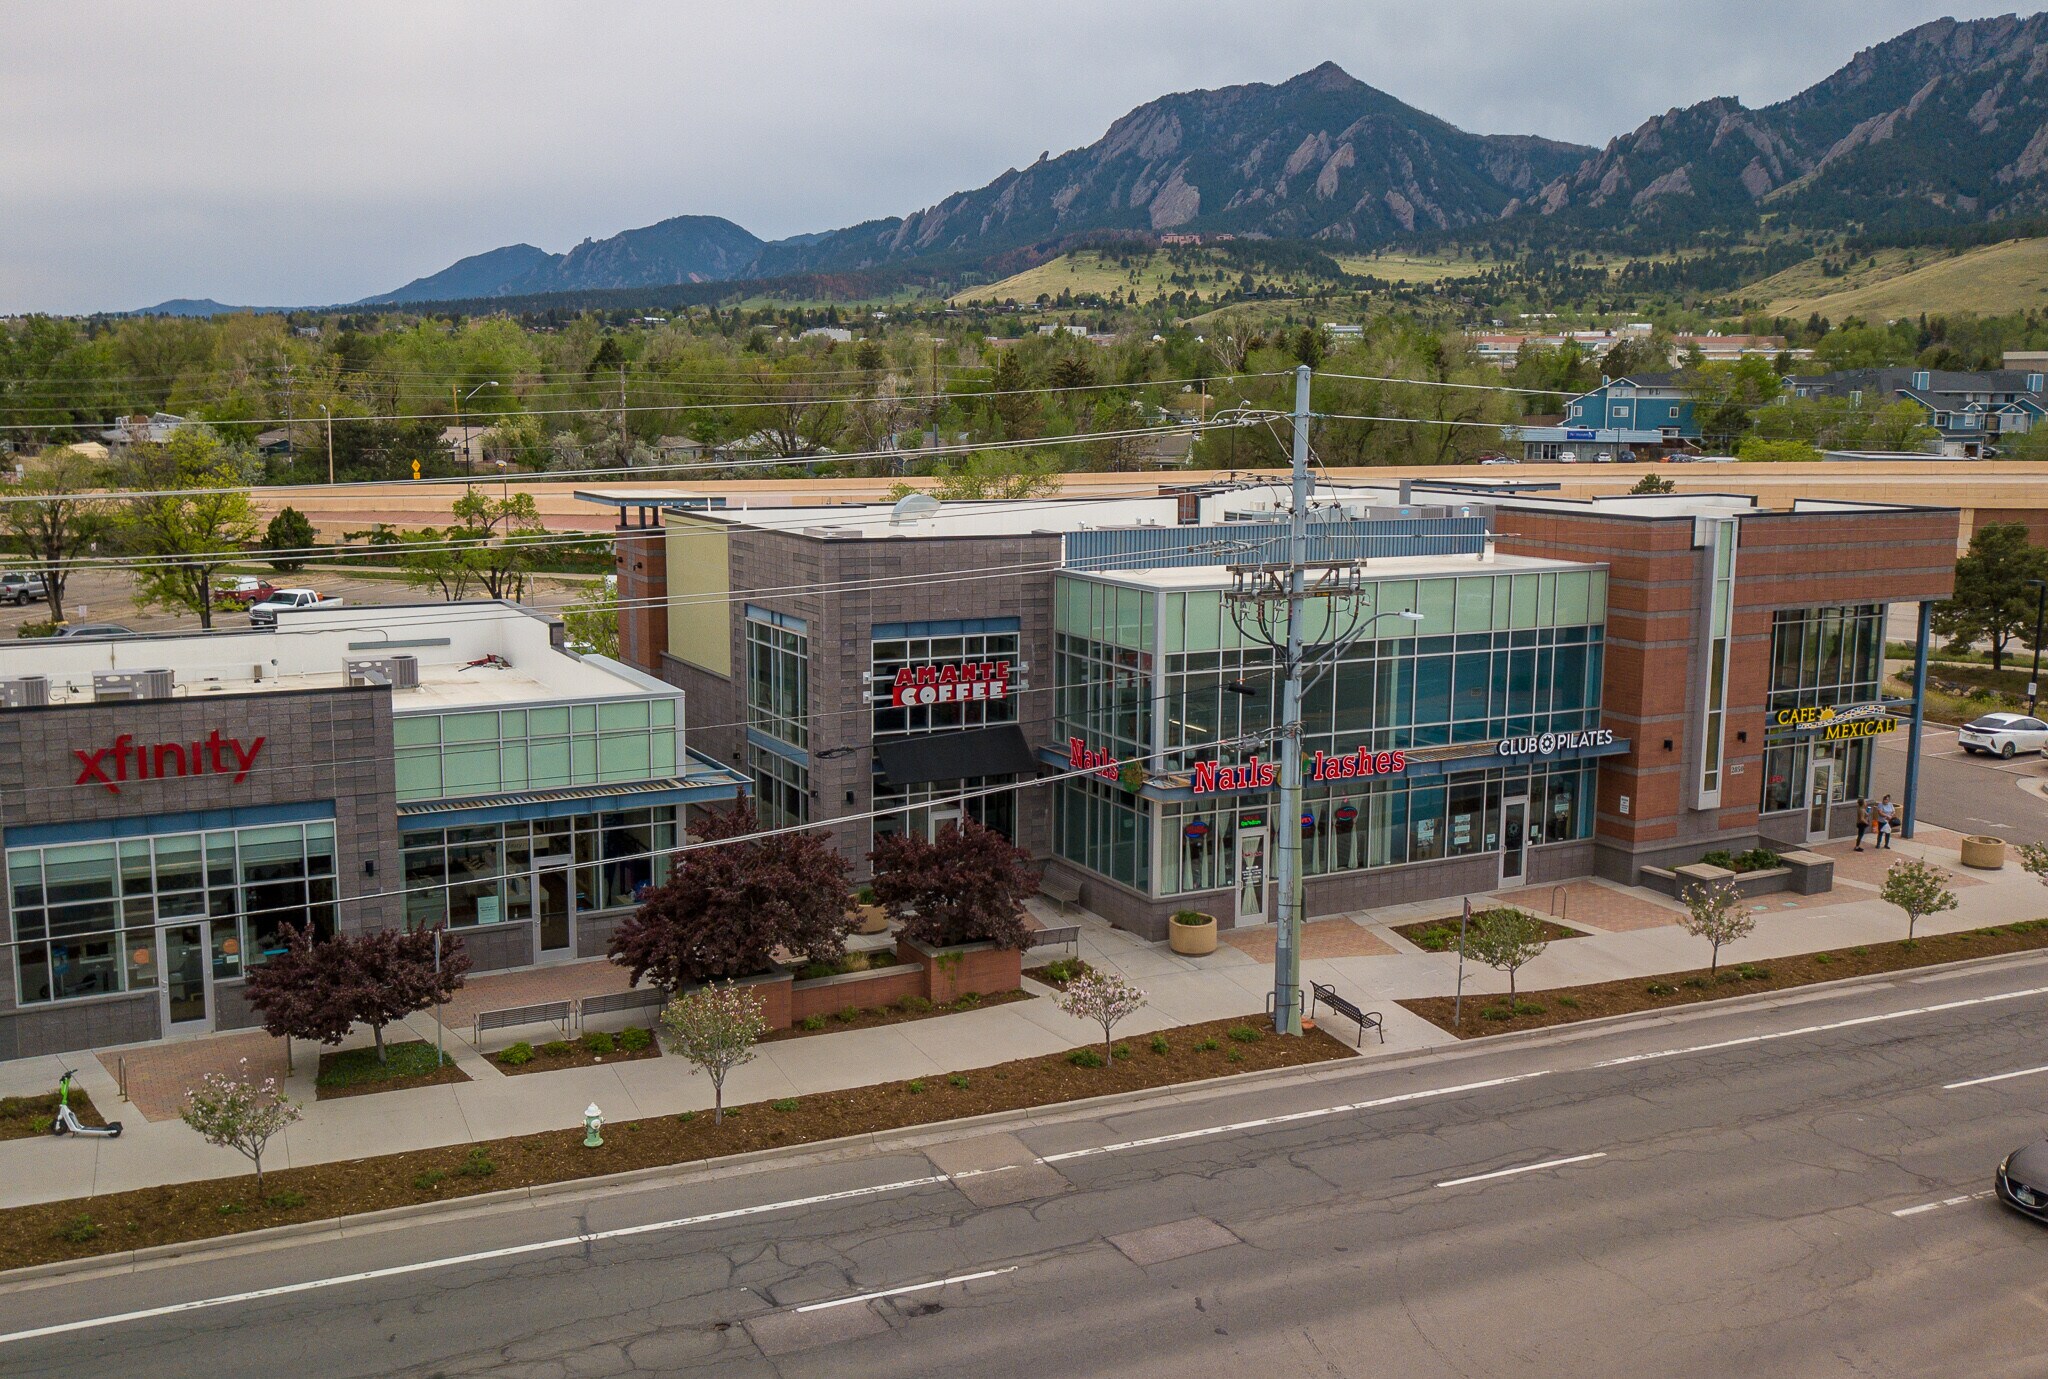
{"x":639,"y":998}
{"x":1059,"y":934}
{"x":1364,"y":1019}
{"x":546,"y":1013}
{"x":1063,"y":889}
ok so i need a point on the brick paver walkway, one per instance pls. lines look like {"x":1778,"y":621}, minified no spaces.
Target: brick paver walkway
{"x":1598,"y":907}
{"x":1321,"y":938}
{"x":1870,"y":865}
{"x":159,"y":1075}
{"x":531,"y":986}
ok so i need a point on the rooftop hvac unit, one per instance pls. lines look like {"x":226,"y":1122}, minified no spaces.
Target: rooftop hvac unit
{"x":25,"y":692}
{"x":112,"y":686}
{"x":399,"y":672}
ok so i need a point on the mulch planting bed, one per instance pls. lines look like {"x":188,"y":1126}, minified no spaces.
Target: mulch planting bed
{"x":1563,"y":1005}
{"x":592,"y":1049}
{"x":356,"y":1072}
{"x":1441,"y":935}
{"x":1059,"y":972}
{"x":219,"y":1207}
{"x":871,"y":1017}
{"x":25,"y":1117}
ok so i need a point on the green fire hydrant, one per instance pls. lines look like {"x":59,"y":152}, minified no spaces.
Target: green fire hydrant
{"x":593,"y":1121}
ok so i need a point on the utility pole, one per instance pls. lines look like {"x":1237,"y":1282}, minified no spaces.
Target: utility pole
{"x":2040,"y":588}
{"x":935,"y":392}
{"x":1287,"y":1004}
{"x":330,"y":443}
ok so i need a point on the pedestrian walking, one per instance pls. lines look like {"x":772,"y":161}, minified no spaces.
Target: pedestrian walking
{"x":1887,"y":820}
{"x":1864,"y":813}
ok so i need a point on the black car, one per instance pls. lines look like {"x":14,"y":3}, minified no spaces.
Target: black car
{"x":2022,"y":1181}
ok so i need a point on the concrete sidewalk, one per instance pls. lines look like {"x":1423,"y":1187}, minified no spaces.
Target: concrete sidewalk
{"x":1629,"y":933}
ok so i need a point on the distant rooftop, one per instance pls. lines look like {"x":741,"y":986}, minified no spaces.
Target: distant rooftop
{"x":1390,"y":567}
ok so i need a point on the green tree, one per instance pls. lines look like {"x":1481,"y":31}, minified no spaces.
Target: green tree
{"x":289,"y":538}
{"x":1918,"y":889}
{"x":501,"y":540}
{"x":53,"y":519}
{"x":1654,"y":483}
{"x":1992,"y":602}
{"x":1310,"y":346}
{"x":1761,"y":450}
{"x":192,"y":518}
{"x":1505,"y":939}
{"x":593,"y":620}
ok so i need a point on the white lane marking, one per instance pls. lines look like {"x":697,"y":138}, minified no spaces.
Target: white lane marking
{"x":1525,"y":1168}
{"x":1824,"y":1029}
{"x":906,"y":1288}
{"x":1944,"y":1202}
{"x":1291,"y":1118}
{"x":1995,"y":1077}
{"x":477,"y":1257}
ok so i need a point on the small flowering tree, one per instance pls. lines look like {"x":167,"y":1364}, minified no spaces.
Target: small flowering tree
{"x":1505,"y":939}
{"x":1918,"y":889}
{"x":715,"y":1028}
{"x":236,"y":1113}
{"x":2034,"y":861}
{"x":1717,"y":913}
{"x":1104,"y":998}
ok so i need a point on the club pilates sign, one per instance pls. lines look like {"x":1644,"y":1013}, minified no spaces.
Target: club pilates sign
{"x":1554,"y":744}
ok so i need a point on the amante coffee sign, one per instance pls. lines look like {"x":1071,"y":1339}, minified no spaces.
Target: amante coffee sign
{"x":950,"y":684}
{"x":127,"y":760}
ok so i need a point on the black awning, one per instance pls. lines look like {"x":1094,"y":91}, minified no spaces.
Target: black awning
{"x":957,"y":756}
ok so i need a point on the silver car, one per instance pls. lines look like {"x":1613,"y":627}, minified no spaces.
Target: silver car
{"x":2003,"y":734}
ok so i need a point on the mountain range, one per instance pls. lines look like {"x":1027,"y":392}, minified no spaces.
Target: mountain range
{"x":1946,"y":123}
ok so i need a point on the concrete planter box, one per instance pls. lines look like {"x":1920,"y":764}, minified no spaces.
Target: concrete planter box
{"x":1804,"y":873}
{"x":1983,"y":852}
{"x":1196,"y":940}
{"x":1812,"y":873}
{"x":873,"y":920}
{"x":951,"y":973}
{"x":826,"y":995}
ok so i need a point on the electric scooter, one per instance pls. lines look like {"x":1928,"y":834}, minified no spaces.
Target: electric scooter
{"x":67,"y":1122}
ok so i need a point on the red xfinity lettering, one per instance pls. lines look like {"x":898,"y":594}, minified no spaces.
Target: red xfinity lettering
{"x":212,"y":755}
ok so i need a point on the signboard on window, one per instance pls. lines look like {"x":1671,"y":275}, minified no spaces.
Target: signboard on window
{"x":956,"y":683}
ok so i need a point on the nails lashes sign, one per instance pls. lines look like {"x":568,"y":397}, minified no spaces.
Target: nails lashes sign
{"x":128,"y":760}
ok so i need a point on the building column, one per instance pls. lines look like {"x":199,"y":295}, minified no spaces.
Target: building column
{"x":1912,"y":804}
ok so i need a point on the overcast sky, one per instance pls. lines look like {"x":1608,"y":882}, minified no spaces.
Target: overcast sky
{"x":266,"y":153}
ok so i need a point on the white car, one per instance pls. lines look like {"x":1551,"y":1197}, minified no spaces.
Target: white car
{"x":2003,"y":734}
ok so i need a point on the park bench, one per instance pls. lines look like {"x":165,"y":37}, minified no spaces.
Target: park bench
{"x":636,"y":999}
{"x":1364,"y":1019}
{"x":1065,"y":890}
{"x":1058,"y":934}
{"x":546,"y":1013}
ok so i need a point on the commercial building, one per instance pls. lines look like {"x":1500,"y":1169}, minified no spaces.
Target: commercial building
{"x":167,"y":804}
{"x":1638,"y":417}
{"x":1506,"y":687}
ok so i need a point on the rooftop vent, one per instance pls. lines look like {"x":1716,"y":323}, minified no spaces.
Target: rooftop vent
{"x":912,"y":507}
{"x":25,"y":692}
{"x":118,"y":685}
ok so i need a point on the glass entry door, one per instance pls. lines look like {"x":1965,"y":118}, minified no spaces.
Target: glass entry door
{"x":1514,"y":841}
{"x":187,"y":976}
{"x":939,"y":818}
{"x":1819,"y":787}
{"x":554,"y":900}
{"x":1252,"y":871}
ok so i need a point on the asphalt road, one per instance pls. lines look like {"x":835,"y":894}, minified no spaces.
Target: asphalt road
{"x":1971,"y":794}
{"x":1788,"y":1189}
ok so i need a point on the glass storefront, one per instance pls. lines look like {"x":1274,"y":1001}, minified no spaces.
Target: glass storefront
{"x":782,"y":788}
{"x":494,"y":873}
{"x":1822,"y":659}
{"x":962,"y":660}
{"x":1169,"y":676}
{"x":86,"y":915}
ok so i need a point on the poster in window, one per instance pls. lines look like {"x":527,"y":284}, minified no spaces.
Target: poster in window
{"x":487,"y":909}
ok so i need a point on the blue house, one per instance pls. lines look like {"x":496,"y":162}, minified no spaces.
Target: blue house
{"x":1637,"y":417}
{"x":1971,"y":412}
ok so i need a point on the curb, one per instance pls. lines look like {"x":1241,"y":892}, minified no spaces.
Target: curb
{"x":911,"y":1138}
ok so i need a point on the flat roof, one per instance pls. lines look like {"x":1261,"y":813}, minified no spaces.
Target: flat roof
{"x":452,"y":643}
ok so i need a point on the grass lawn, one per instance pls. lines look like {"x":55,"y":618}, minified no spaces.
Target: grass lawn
{"x":357,"y":1071}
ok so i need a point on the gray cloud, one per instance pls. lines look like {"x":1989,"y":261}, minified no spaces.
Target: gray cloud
{"x":265,"y":153}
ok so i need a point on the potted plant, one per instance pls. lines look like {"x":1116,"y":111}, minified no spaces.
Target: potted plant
{"x":1192,"y":933}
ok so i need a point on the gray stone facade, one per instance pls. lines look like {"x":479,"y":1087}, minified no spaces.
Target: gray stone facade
{"x":320,"y":747}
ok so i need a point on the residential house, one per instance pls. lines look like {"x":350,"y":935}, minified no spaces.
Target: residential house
{"x":1638,"y":417}
{"x":154,"y":429}
{"x":1970,"y":412}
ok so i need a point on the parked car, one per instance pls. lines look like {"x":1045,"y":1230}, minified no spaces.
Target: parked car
{"x":1604,"y":457}
{"x":1567,"y":457}
{"x":2003,"y":734}
{"x":17,"y":588}
{"x":1498,"y":459}
{"x":96,"y":629}
{"x":265,"y":613}
{"x":2022,"y":1181}
{"x":248,"y":589}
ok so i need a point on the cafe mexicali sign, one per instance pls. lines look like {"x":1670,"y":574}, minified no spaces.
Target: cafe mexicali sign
{"x":1836,"y":724}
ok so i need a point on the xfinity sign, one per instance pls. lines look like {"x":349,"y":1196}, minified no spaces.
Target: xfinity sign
{"x":128,"y":760}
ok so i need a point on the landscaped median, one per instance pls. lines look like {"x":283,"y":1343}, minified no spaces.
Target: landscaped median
{"x":1494,"y":1014}
{"x":83,"y":1227}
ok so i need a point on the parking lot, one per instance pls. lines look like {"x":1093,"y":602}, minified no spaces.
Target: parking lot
{"x":1971,"y":794}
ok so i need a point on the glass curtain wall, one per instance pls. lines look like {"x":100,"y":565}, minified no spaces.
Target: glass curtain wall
{"x":488,"y":752}
{"x":1826,"y":657}
{"x":909,"y":809}
{"x":483,"y":874}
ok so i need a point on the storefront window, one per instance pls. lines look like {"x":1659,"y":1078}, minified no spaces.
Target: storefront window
{"x":927,"y":807}
{"x":778,"y":676}
{"x":1100,"y":827}
{"x":937,"y":646}
{"x":484,"y":874}
{"x":1821,"y":658}
{"x":782,"y":788}
{"x":85,"y":913}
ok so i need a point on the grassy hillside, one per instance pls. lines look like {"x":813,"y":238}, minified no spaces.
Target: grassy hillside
{"x":1404,"y":268}
{"x":1088,"y":272}
{"x":1995,"y":278}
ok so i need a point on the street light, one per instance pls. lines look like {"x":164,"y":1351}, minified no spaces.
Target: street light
{"x":2040,"y":606}
{"x":469,"y":456}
